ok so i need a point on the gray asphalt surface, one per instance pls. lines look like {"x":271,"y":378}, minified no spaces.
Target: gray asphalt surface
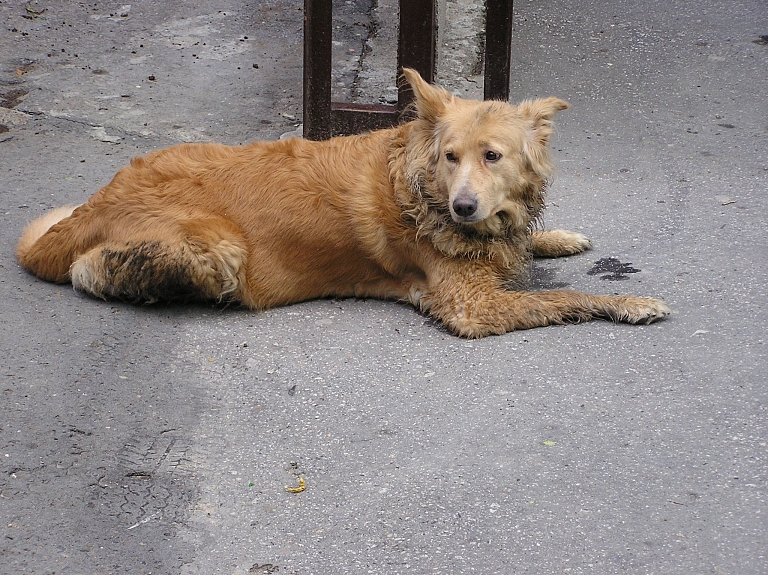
{"x":159,"y":439}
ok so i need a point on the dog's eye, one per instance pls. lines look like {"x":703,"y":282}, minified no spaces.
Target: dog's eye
{"x":451,"y":157}
{"x":492,"y":156}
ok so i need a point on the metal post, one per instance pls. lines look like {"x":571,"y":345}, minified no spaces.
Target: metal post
{"x":498,"y":49}
{"x":417,"y":45}
{"x":318,"y":21}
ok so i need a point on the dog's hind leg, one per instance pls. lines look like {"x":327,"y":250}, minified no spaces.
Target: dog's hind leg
{"x":207,"y":262}
{"x":557,"y":243}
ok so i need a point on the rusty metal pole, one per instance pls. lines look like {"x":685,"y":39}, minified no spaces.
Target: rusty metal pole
{"x":318,"y":21}
{"x":417,"y":45}
{"x":498,"y":49}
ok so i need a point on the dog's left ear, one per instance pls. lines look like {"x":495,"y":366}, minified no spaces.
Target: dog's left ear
{"x":430,"y":100}
{"x":540,"y":114}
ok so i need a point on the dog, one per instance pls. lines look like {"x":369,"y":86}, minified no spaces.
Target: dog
{"x":440,"y":211}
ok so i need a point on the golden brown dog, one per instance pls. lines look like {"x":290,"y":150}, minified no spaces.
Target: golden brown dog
{"x":438,"y":212}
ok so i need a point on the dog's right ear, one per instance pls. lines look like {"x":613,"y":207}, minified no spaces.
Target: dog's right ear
{"x":430,"y":100}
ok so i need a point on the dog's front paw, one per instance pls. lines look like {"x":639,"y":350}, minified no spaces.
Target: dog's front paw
{"x":643,"y":310}
{"x":556,"y":243}
{"x":575,"y":242}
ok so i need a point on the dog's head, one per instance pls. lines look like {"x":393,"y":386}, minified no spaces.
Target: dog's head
{"x":489,"y":159}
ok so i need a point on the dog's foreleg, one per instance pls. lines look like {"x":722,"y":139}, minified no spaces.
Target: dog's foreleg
{"x":557,"y":243}
{"x":477,"y":313}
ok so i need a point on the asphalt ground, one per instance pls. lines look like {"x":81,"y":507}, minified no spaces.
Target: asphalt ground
{"x":160,"y":439}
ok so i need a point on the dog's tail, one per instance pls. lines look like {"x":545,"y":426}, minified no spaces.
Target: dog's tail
{"x":50,"y":244}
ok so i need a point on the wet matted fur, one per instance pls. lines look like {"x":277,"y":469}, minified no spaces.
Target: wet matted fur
{"x":438,"y":212}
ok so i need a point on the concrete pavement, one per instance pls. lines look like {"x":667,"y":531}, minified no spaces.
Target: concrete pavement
{"x":160,"y":439}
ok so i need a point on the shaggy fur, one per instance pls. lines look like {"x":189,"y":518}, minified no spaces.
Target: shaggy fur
{"x":438,"y":212}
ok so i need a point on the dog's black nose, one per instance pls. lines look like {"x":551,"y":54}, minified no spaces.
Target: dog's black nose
{"x":465,"y":205}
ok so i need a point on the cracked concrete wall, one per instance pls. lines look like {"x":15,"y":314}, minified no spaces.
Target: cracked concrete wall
{"x":365,"y":49}
{"x":461,"y":46}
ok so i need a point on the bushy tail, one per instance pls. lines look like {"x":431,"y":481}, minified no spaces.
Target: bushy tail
{"x":48,"y":255}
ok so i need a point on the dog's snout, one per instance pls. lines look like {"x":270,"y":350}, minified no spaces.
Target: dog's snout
{"x":465,"y":205}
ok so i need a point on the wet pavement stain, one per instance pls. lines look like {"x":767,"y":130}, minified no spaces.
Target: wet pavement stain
{"x":265,"y":569}
{"x":613,"y":269}
{"x":544,"y":278}
{"x":12,"y":98}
